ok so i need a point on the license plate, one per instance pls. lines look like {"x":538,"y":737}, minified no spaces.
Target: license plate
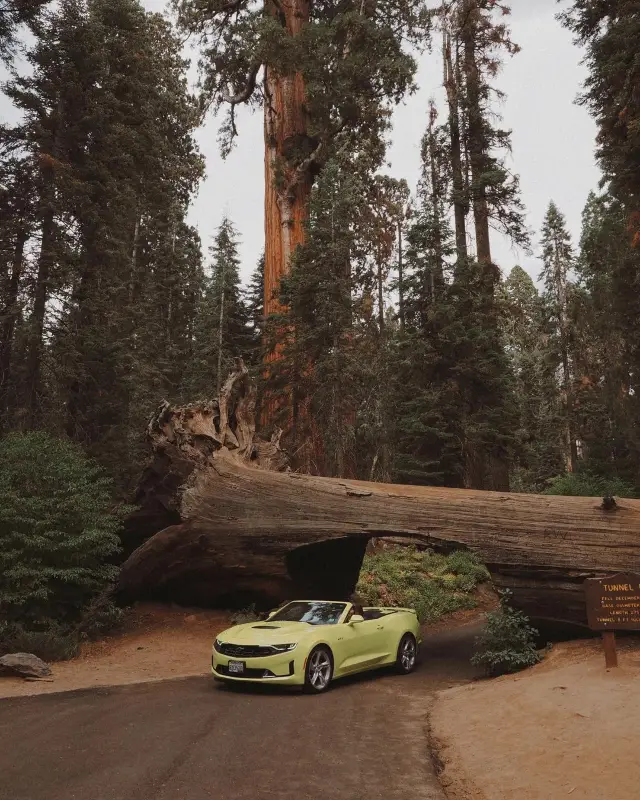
{"x":237,"y":667}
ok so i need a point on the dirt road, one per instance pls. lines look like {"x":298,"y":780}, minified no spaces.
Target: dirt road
{"x":193,"y":740}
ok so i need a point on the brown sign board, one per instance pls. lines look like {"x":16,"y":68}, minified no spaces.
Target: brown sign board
{"x":613,"y":603}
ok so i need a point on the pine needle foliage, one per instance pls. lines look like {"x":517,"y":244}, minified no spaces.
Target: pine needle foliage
{"x":58,"y":531}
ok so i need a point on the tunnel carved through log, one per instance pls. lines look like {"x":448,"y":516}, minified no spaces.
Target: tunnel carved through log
{"x":220,"y":518}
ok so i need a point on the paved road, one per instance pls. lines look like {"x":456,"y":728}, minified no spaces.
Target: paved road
{"x":194,"y":740}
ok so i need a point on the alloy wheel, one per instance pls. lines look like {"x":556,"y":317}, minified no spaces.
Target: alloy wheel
{"x":408,"y":653}
{"x":319,"y":670}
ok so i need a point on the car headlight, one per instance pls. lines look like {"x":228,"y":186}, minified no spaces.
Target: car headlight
{"x":216,"y":645}
{"x":283,"y":648}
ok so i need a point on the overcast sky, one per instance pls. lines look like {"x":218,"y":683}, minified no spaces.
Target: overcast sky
{"x":553,"y":139}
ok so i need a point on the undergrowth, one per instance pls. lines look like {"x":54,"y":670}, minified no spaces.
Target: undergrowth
{"x":431,"y":583}
{"x":507,"y":644}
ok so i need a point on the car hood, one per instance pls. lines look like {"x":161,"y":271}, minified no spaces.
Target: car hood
{"x":264,"y":633}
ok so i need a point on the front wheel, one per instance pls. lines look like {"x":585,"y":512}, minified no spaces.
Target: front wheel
{"x":319,"y":670}
{"x":407,"y":654}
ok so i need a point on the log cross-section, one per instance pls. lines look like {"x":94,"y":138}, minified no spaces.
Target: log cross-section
{"x":236,"y":529}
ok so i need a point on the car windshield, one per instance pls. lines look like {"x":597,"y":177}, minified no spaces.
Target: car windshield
{"x":313,"y":613}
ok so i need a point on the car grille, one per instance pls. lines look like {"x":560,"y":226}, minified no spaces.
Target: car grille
{"x":244,"y":650}
{"x":250,"y":672}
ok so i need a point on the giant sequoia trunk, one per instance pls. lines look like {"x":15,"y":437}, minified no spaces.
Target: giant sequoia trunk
{"x":222,"y":521}
{"x":286,"y":188}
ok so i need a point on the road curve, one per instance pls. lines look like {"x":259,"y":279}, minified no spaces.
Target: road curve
{"x":194,"y":740}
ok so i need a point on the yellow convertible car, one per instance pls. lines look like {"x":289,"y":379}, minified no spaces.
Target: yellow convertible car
{"x":310,"y":642}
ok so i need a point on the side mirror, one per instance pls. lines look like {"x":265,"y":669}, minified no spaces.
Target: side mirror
{"x":356,"y":618}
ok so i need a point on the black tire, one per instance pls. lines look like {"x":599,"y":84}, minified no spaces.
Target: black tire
{"x":407,"y":654}
{"x":318,"y":672}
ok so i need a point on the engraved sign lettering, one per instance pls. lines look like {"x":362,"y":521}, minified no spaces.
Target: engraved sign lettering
{"x":613,"y":603}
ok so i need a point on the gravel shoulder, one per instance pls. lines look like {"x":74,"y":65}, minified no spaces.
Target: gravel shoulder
{"x":567,"y":728}
{"x":157,"y":643}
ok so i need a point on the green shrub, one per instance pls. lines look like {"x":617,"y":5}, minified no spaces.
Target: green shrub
{"x":53,"y":642}
{"x":588,"y":484}
{"x":507,"y":644}
{"x":431,"y":583}
{"x":58,"y":530}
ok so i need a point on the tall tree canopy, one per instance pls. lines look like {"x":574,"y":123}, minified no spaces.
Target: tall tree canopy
{"x":326,"y":74}
{"x":609,"y":30}
{"x":101,"y":259}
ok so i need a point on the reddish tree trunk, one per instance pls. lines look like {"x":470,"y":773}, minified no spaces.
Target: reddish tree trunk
{"x":286,"y":193}
{"x":286,"y":189}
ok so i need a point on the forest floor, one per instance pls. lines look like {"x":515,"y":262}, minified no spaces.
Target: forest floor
{"x":567,"y":728}
{"x":155,"y":643}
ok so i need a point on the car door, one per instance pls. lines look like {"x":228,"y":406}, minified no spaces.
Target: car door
{"x":358,"y":645}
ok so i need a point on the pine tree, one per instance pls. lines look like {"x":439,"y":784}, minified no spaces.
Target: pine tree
{"x":456,"y":416}
{"x":557,"y":258}
{"x":540,"y":454}
{"x":107,"y":136}
{"x":606,"y":331}
{"x":426,"y":400}
{"x":609,"y":31}
{"x":609,"y":264}
{"x":222,"y":331}
{"x":58,"y":531}
{"x":17,"y":211}
{"x":13,"y":14}
{"x":254,"y":299}
{"x":319,"y":355}
{"x":474,"y":42}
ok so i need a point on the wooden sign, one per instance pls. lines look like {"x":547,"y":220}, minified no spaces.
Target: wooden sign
{"x":613,"y":604}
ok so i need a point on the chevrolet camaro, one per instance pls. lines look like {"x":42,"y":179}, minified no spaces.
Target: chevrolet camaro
{"x":309,"y":643}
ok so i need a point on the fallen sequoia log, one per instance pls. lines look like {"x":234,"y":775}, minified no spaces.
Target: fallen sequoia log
{"x":222,"y":521}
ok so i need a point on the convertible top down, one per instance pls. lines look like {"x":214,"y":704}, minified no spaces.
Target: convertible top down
{"x":311,"y":642}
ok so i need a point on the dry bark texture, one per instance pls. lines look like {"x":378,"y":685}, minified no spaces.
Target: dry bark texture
{"x":287,"y":186}
{"x":231,"y":524}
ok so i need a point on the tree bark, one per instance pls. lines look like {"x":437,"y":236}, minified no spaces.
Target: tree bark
{"x":287,"y":188}
{"x":286,"y":193}
{"x":400,"y":277}
{"x":220,"y":521}
{"x":437,"y":273}
{"x":36,"y":333}
{"x":560,"y":276}
{"x":460,"y":203}
{"x":8,"y":316}
{"x":477,"y":146}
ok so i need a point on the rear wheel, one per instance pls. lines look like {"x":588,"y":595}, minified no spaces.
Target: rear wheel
{"x":319,"y":670}
{"x":407,"y":654}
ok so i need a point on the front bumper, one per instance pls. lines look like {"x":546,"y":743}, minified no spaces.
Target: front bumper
{"x":280,"y":669}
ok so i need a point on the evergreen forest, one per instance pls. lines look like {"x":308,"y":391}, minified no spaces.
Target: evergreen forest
{"x":386,"y":341}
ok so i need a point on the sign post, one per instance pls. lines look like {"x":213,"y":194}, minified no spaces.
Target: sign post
{"x":613,"y":604}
